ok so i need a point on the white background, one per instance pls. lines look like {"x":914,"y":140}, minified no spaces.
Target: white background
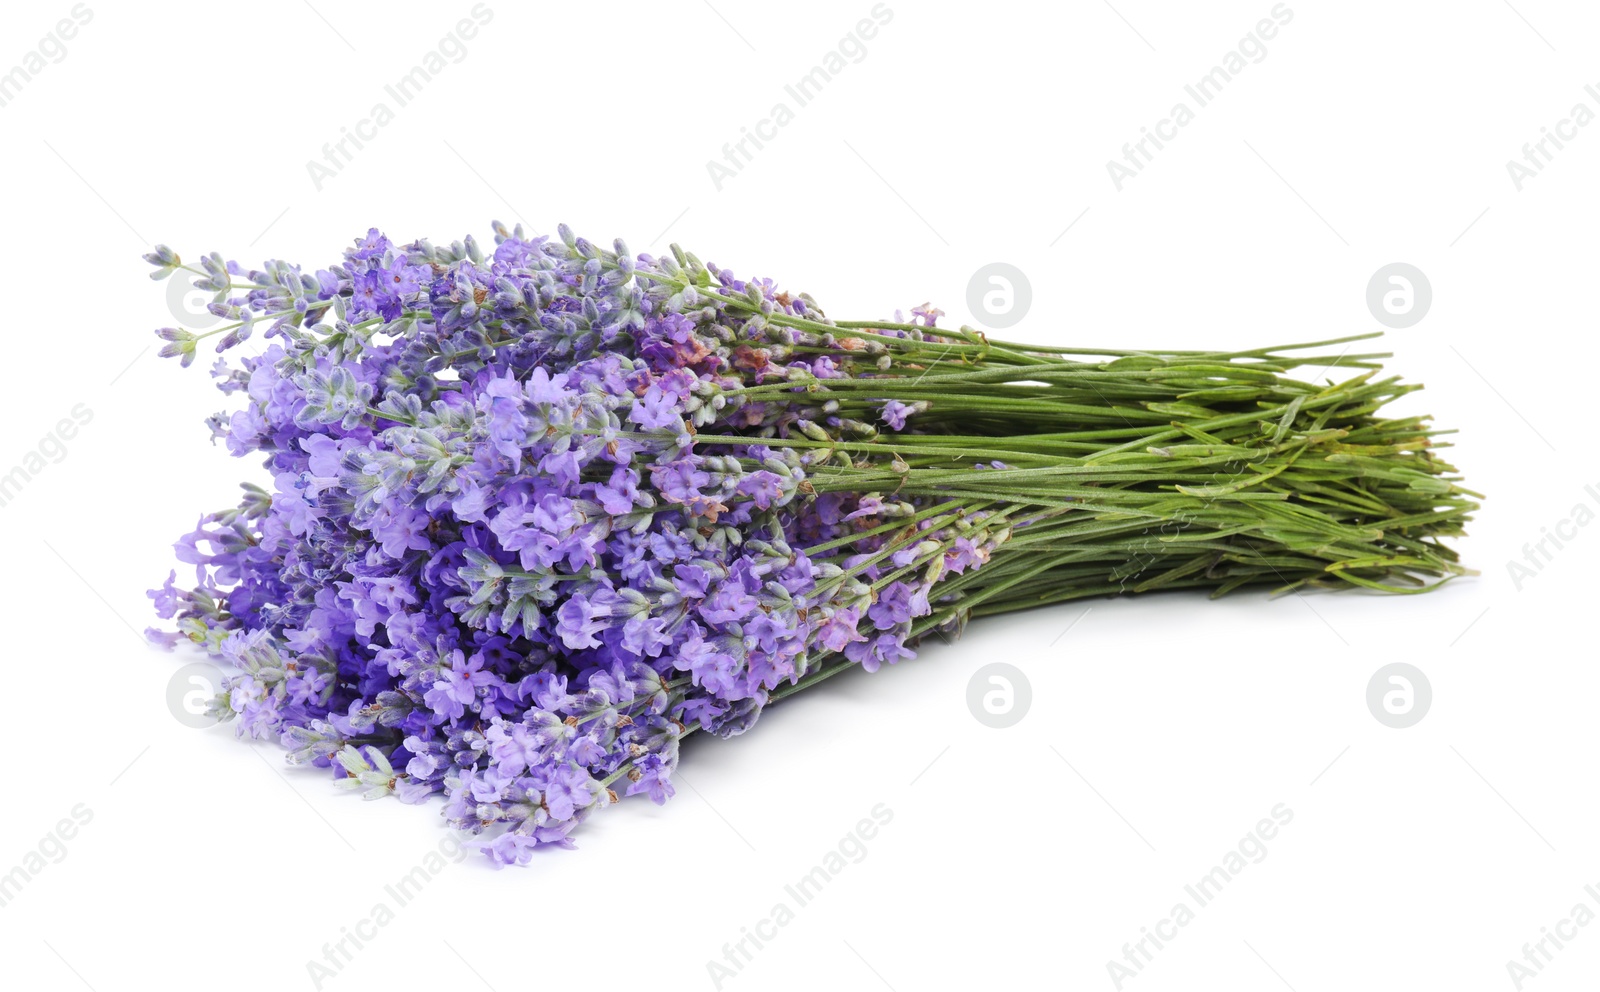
{"x":1161,"y":729}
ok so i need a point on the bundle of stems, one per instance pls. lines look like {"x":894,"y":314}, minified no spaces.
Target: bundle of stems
{"x":1129,"y":472}
{"x":1136,"y":471}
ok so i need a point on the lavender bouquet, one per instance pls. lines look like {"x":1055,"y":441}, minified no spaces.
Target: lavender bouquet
{"x":537,"y":515}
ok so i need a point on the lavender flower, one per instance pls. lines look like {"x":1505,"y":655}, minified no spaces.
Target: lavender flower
{"x":537,"y":514}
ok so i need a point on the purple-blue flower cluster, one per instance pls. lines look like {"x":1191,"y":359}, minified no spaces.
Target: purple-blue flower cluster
{"x":534,"y":515}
